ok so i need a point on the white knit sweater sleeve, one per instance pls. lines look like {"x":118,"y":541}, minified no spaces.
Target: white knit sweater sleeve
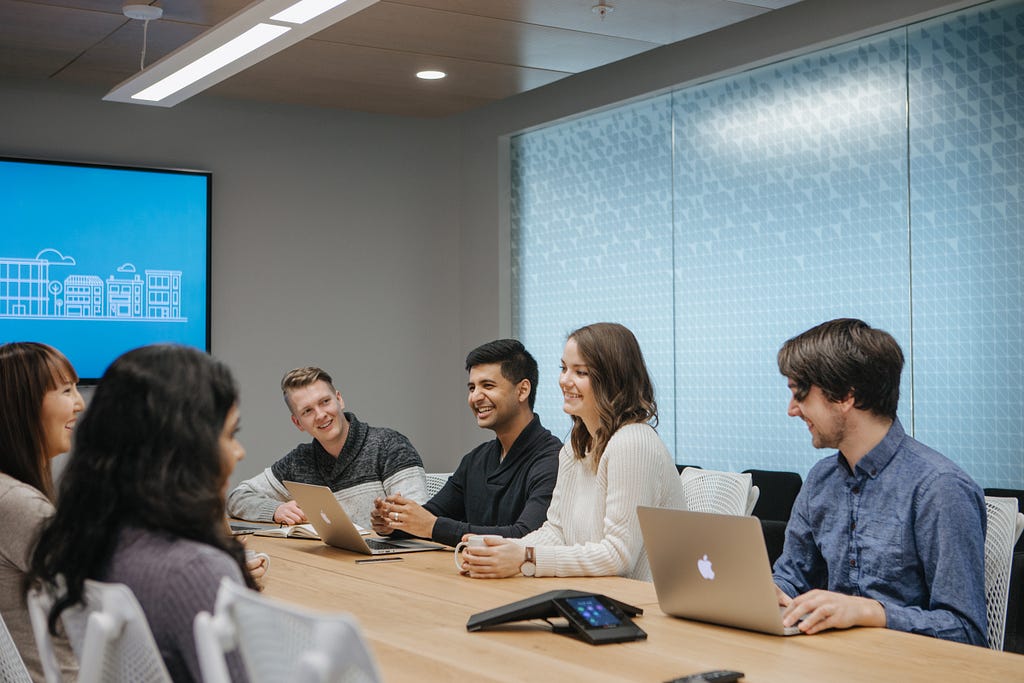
{"x":550,"y":532}
{"x":635,"y":469}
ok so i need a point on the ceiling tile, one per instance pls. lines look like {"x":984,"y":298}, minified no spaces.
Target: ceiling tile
{"x":491,"y":49}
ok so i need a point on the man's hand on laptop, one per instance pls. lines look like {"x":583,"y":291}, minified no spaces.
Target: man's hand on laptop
{"x":401,"y":513}
{"x":819,"y":610}
{"x":289,"y":513}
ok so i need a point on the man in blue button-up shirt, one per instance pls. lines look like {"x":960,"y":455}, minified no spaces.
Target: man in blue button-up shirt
{"x":886,"y":532}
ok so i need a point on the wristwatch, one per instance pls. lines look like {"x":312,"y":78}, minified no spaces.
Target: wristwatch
{"x":529,"y":565}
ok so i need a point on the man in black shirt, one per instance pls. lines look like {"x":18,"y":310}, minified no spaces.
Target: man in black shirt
{"x":502,"y":486}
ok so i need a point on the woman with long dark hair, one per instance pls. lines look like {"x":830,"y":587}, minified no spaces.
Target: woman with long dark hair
{"x":613,"y":462}
{"x":39,"y":405}
{"x":142,"y":498}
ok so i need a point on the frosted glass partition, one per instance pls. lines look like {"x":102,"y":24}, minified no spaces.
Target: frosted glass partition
{"x":967,"y":202}
{"x":791,"y":209}
{"x":594,"y":242}
{"x":881,"y":179}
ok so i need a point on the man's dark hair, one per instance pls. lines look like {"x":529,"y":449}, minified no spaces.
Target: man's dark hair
{"x":843,"y":357}
{"x":516,"y":362}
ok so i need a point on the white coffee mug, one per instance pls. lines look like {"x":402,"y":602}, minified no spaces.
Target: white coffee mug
{"x":472,"y":541}
{"x":264,"y":559}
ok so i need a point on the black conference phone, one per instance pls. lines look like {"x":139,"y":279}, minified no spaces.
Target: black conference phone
{"x":594,"y":618}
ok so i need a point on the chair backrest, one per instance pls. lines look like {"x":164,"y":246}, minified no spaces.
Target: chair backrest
{"x":778,"y":492}
{"x":1005,"y":523}
{"x":108,"y":632}
{"x":12,"y":668}
{"x":1010,"y":493}
{"x":752,"y":498}
{"x":725,"y":493}
{"x":280,"y":643}
{"x":39,"y":602}
{"x":435,"y":482}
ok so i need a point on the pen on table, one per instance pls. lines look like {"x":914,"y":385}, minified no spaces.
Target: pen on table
{"x":379,"y":559}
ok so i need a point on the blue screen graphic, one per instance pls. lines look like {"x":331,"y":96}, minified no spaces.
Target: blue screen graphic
{"x":97,"y":260}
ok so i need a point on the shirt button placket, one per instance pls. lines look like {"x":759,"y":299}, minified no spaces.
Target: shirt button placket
{"x":854,"y":544}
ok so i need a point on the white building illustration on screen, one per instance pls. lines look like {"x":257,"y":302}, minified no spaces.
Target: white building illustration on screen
{"x":34,"y":288}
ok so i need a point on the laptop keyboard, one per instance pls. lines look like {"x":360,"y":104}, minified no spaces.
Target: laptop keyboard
{"x":380,"y":545}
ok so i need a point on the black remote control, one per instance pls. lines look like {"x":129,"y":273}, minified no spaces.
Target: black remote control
{"x":720,"y":676}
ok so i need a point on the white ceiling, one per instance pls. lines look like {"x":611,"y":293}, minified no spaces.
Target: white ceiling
{"x":491,"y":49}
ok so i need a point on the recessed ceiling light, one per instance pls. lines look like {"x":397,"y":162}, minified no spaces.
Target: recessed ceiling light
{"x":431,"y":75}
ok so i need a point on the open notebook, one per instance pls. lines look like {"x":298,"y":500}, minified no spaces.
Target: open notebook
{"x":278,"y":531}
{"x":293,"y":531}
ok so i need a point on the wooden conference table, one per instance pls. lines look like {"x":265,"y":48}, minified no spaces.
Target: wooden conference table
{"x":414,"y":613}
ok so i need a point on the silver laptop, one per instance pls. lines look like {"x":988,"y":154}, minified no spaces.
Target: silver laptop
{"x":712,"y":568}
{"x":336,"y":528}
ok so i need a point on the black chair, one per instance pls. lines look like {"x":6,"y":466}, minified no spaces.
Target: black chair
{"x":778,"y":491}
{"x":774,"y":538}
{"x":1013,"y":641}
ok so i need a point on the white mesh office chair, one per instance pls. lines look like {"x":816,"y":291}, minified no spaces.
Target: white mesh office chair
{"x":435,"y":482}
{"x":280,"y":643}
{"x":1005,"y":524}
{"x":108,"y":633}
{"x":724,"y":493}
{"x":12,"y":668}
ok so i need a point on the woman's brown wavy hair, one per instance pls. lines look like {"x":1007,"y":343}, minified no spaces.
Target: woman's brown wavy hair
{"x":623,"y":392}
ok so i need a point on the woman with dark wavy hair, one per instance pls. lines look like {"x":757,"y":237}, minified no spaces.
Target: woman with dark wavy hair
{"x":142,"y":498}
{"x":613,"y":462}
{"x":39,"y":405}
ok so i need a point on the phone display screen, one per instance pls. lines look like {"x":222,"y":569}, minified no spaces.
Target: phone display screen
{"x":592,"y":612}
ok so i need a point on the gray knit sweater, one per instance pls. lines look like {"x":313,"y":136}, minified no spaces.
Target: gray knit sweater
{"x":375,"y":461}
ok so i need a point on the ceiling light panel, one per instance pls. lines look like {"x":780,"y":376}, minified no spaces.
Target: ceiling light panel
{"x":247,"y":37}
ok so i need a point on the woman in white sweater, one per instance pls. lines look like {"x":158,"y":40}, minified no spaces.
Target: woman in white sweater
{"x":613,"y":462}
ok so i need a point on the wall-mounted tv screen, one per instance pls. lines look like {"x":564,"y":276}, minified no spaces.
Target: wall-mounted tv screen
{"x":96,"y":260}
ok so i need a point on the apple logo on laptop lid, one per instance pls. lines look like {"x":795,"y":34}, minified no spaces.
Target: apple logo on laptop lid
{"x":705,"y":569}
{"x":327,"y":520}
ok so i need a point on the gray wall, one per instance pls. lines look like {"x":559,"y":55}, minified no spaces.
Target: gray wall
{"x":335,"y":242}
